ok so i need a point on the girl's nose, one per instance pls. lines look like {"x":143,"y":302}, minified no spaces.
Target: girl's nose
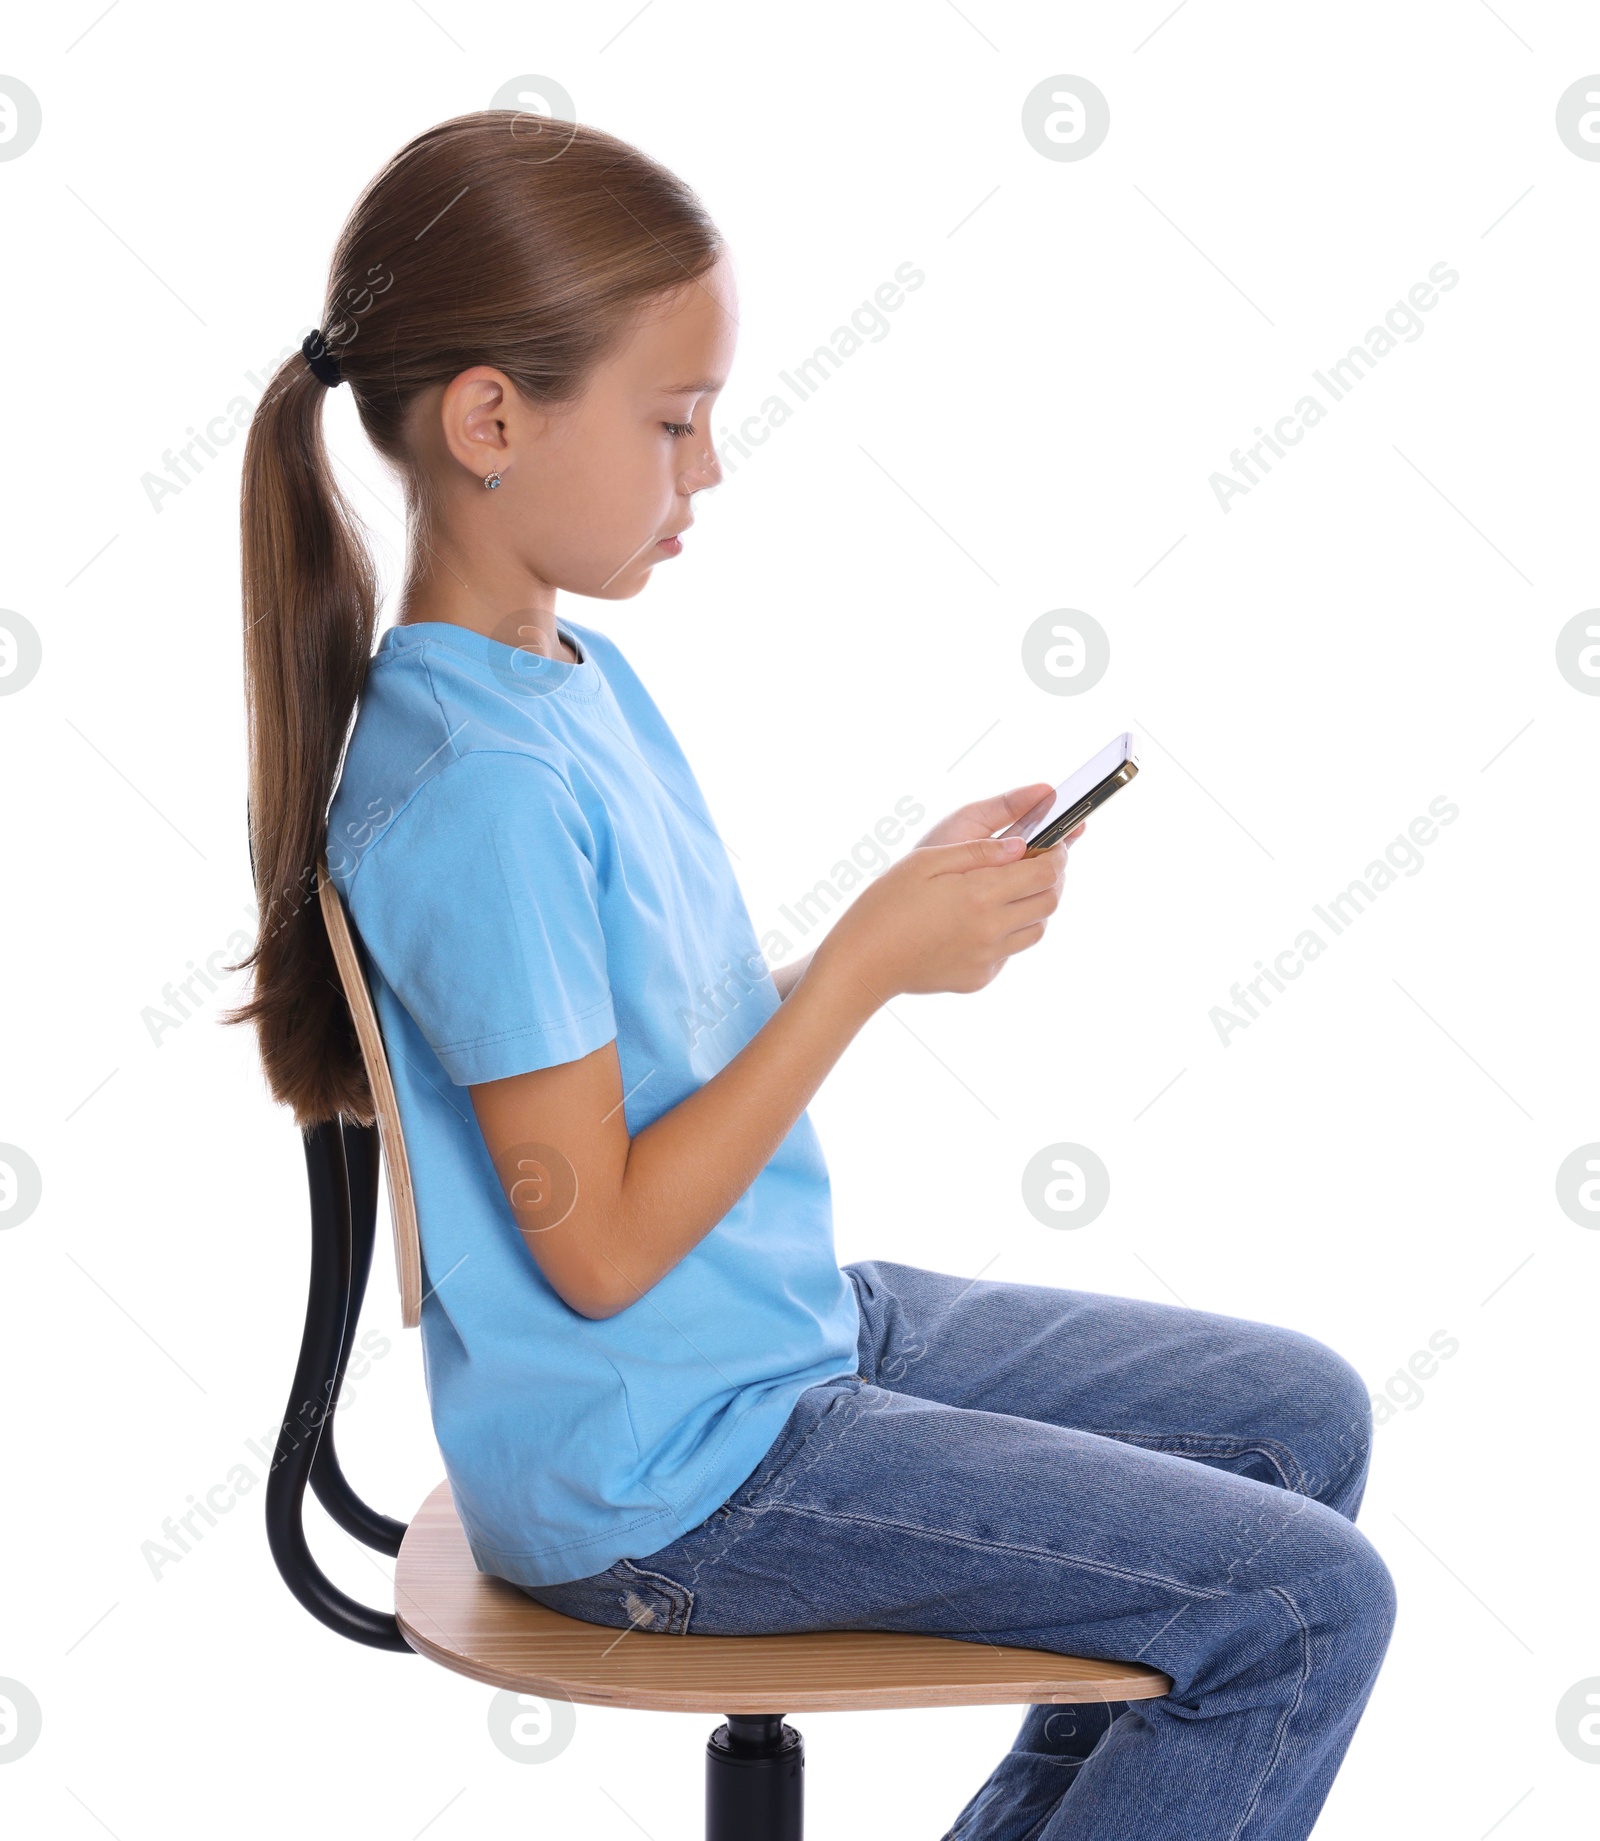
{"x":706,"y":471}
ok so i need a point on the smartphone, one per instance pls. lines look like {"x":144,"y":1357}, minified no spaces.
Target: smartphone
{"x":1078,"y":795}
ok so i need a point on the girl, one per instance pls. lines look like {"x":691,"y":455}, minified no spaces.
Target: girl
{"x":660,"y":1400}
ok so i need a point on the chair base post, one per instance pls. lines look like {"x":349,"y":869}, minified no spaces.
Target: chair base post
{"x":755,"y":1778}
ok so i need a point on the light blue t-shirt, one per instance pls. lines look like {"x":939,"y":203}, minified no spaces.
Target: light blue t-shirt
{"x":532,"y":872}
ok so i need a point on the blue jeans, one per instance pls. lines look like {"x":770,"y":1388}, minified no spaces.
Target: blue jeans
{"x":1088,"y":1474}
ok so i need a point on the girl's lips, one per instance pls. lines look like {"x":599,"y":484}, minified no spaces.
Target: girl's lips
{"x":670,"y":546}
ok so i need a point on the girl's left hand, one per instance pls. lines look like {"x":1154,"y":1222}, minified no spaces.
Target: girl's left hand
{"x":987,"y":816}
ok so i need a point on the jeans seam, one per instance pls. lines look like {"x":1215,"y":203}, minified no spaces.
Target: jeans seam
{"x":1278,"y":1591}
{"x":990,"y":1546}
{"x":1221,"y":1444}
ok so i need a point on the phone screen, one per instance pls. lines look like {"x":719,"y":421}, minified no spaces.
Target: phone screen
{"x":1075,"y":787}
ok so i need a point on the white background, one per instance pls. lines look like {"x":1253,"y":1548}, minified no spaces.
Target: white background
{"x":1374,"y":625}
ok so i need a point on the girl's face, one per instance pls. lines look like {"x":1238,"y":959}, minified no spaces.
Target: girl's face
{"x":595,"y":493}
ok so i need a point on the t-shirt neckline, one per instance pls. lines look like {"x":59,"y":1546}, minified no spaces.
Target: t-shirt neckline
{"x":520,"y":667}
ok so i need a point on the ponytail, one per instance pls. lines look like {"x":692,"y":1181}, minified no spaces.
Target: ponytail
{"x":310,"y":609}
{"x":496,"y":238}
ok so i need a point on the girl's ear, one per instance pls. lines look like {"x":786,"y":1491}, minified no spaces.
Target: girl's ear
{"x":482,"y":417}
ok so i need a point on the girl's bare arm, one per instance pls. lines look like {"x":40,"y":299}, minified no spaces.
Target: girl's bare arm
{"x":786,"y":977}
{"x":630,"y":1209}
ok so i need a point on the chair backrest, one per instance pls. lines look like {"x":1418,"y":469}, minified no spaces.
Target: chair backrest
{"x":402,"y":1200}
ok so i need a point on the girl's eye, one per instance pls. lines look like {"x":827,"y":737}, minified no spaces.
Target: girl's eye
{"x":678,"y":429}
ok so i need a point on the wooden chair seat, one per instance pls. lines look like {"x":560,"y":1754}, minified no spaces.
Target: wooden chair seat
{"x":483,"y":1627}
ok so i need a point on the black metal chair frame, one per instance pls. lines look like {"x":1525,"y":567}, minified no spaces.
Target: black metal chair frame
{"x":754,"y":1763}
{"x":342,"y":1166}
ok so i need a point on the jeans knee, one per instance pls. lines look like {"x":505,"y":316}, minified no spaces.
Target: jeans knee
{"x":1348,"y":1426}
{"x":1377,"y":1589}
{"x":1349,"y":1596}
{"x":1332,"y":1413}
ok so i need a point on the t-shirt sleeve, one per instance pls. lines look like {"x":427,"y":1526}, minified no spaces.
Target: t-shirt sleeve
{"x":480,"y":906}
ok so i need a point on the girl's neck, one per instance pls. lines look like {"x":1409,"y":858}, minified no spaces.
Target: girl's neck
{"x":529,"y":621}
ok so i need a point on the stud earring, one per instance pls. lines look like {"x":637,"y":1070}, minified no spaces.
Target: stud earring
{"x":491,"y":480}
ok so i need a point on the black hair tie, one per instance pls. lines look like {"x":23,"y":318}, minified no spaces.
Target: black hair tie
{"x":323,"y":363}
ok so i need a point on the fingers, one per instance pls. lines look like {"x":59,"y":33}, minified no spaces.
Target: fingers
{"x":981,"y":852}
{"x":1037,"y":897}
{"x":974,"y":853}
{"x":1004,"y":807}
{"x":1031,"y":909}
{"x":1029,"y":805}
{"x":1021,"y":940}
{"x":1011,"y":882}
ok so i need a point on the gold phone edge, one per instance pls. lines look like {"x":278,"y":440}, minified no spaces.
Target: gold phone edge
{"x":1090,"y":802}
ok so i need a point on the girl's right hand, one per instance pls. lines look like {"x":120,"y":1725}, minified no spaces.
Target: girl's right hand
{"x":946,"y":917}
